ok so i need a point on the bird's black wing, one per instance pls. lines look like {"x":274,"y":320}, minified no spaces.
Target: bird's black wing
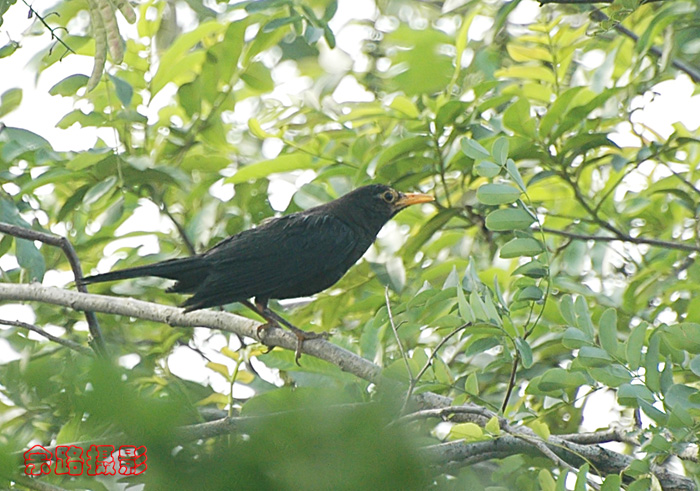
{"x":295,"y":255}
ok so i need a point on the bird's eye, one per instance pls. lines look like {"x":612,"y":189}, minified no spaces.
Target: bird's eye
{"x":388,"y":196}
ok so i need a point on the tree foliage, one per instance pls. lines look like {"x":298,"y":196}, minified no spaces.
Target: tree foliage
{"x":549,"y":292}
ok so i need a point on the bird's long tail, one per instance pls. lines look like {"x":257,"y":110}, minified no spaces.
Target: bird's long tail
{"x":181,"y":269}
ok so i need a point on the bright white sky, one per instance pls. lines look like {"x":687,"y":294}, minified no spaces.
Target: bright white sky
{"x":39,"y":112}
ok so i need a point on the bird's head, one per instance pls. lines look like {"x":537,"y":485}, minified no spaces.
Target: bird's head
{"x":374,"y":205}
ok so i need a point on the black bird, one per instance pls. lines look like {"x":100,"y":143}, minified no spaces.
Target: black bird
{"x":292,"y":256}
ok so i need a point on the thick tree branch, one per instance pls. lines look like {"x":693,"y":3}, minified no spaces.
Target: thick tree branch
{"x":519,"y":439}
{"x":605,"y":461}
{"x":174,"y":316}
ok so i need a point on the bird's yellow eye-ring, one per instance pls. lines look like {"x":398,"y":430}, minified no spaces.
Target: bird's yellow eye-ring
{"x":389,"y":196}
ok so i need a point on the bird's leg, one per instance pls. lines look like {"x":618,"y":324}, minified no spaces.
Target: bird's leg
{"x":273,"y":318}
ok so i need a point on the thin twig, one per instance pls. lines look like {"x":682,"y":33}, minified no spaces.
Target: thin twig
{"x":612,"y":435}
{"x":689,"y":70}
{"x":511,"y":382}
{"x":180,"y":229}
{"x":64,"y":244}
{"x":416,"y":379}
{"x":65,"y":342}
{"x":396,"y":334}
{"x":624,"y":238}
{"x":51,"y":29}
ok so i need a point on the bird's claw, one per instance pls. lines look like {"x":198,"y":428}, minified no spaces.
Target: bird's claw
{"x":303,"y":336}
{"x":260,"y":330}
{"x":299,"y":333}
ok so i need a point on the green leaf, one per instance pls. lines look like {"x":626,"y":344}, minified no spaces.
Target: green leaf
{"x":539,"y":73}
{"x":530,"y":293}
{"x":631,"y":394}
{"x":611,"y":376}
{"x":284,"y":163}
{"x":613,"y":482}
{"x":582,"y":478}
{"x":477,"y":305}
{"x":449,"y":112}
{"x":488,"y":169}
{"x":9,"y":48}
{"x":695,"y":365}
{"x":533,"y":269}
{"x":557,"y":109}
{"x":592,"y":356}
{"x":471,"y":385}
{"x":427,"y":230}
{"x":497,"y":194}
{"x":452,"y":279}
{"x":401,"y":148}
{"x":608,"y":331}
{"x":515,"y":174}
{"x":29,"y":258}
{"x":633,"y":350}
{"x":500,"y":150}
{"x":583,"y":316}
{"x":405,"y":105}
{"x":257,"y":130}
{"x":124,"y":90}
{"x":566,"y":307}
{"x":473,"y":149}
{"x":423,"y":67}
{"x":466,"y":431}
{"x":546,"y":481}
{"x":508,"y":219}
{"x":658,"y":416}
{"x":575,"y":338}
{"x":260,"y":5}
{"x":525,"y":351}
{"x":527,"y":247}
{"x":580,"y":144}
{"x":465,"y":310}
{"x":560,"y":379}
{"x":279,"y":22}
{"x":685,"y":336}
{"x":329,"y":12}
{"x":220,"y":369}
{"x":651,"y":363}
{"x":178,"y":64}
{"x":517,"y":117}
{"x":521,"y":53}
{"x":10,"y":100}
{"x":19,"y":141}
{"x":493,"y":426}
{"x":329,"y":36}
{"x":85,"y":120}
{"x":87,"y":159}
{"x":99,"y":190}
{"x":541,"y":429}
{"x":258,"y":78}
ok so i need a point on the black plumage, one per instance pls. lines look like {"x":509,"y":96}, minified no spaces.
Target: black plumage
{"x":291,"y":256}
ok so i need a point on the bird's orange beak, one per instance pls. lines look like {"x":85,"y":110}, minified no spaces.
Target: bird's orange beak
{"x":409,"y":199}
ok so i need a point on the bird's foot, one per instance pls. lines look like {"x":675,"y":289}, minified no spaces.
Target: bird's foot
{"x":261,"y":337}
{"x":299,"y":333}
{"x":303,"y":336}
